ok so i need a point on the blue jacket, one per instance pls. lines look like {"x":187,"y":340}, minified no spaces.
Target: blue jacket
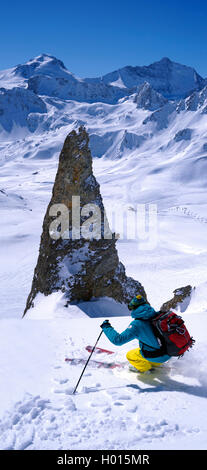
{"x":140,"y":328}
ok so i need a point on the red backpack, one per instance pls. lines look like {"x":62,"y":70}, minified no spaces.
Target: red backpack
{"x":172,"y":332}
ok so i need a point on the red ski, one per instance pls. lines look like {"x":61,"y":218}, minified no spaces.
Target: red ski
{"x":96,"y":364}
{"x":98,"y":350}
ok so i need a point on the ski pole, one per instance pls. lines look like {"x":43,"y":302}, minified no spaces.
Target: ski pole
{"x":86,"y":363}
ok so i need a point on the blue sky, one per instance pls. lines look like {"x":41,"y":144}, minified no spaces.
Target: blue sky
{"x":93,"y":38}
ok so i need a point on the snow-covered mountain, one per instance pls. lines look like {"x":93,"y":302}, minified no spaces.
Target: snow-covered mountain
{"x":171,"y":79}
{"x":146,"y":148}
{"x":43,"y":96}
{"x":41,"y":101}
{"x":148,"y":136}
{"x":47,"y":75}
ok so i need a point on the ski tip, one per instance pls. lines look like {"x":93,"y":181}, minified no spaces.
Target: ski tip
{"x":98,"y":350}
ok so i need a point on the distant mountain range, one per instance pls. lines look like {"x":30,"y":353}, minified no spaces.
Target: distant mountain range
{"x":149,"y":115}
{"x":46,"y":75}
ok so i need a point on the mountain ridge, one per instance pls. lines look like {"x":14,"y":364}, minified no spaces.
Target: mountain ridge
{"x":46,"y":74}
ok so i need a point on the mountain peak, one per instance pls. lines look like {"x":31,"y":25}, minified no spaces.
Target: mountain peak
{"x":43,"y":64}
{"x":148,"y":98}
{"x":45,"y":58}
{"x":171,"y":79}
{"x":165,"y":60}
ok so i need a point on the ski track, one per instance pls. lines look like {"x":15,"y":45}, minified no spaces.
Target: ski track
{"x":111,"y":409}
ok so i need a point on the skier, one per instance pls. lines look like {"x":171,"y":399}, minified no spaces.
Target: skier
{"x":150,"y":353}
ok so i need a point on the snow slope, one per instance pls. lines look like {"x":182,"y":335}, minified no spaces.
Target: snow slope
{"x":146,"y":149}
{"x":17,"y":107}
{"x":162,"y":161}
{"x":111,"y":409}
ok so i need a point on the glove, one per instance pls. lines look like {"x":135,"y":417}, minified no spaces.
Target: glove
{"x":105,"y":324}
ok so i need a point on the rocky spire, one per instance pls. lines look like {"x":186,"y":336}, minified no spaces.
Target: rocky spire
{"x":181,"y":299}
{"x":149,"y":99}
{"x":77,"y":250}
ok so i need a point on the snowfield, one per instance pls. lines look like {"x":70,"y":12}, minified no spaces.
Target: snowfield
{"x":112,"y":409}
{"x":141,"y":155}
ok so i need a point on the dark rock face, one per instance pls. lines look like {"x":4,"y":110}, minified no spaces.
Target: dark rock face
{"x":184,"y":134}
{"x":181,"y":298}
{"x":77,"y":252}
